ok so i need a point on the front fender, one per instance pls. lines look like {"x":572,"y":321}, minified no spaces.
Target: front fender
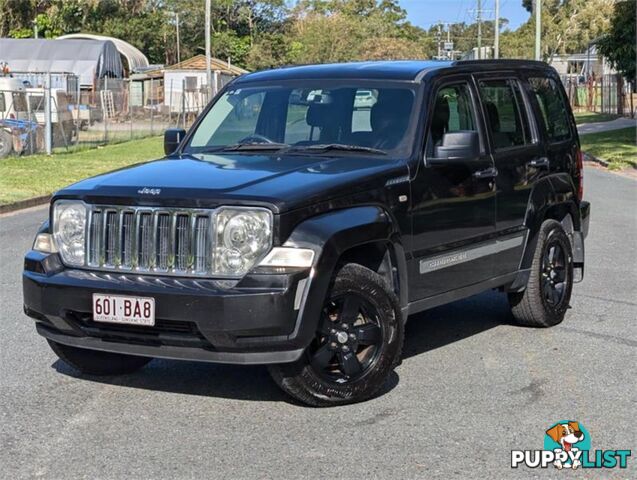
{"x":330,"y":235}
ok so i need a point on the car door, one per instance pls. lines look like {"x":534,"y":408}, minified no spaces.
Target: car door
{"x":453,"y":199}
{"x":519,"y":159}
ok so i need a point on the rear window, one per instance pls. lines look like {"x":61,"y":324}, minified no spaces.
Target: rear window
{"x":553,"y":107}
{"x":505,"y":112}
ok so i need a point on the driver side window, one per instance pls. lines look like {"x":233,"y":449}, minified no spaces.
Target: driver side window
{"x":453,"y":112}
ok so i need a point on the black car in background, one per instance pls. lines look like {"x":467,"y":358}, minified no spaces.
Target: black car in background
{"x":308,"y":212}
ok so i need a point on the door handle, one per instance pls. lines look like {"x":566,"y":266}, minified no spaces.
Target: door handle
{"x":541,"y":162}
{"x":490,"y":172}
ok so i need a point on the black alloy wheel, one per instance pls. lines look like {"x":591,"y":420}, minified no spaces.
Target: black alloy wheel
{"x":348,"y":340}
{"x":357,"y":344}
{"x":554,"y":274}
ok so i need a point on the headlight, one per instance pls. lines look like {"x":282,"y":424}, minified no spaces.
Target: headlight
{"x":69,"y":230}
{"x":243,"y":236}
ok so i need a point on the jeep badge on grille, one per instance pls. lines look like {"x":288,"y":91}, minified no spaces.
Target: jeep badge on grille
{"x":149,"y":191}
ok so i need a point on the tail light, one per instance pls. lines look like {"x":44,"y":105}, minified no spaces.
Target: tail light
{"x":580,"y":174}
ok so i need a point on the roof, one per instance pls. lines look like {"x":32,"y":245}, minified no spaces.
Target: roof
{"x":135,"y":58}
{"x":85,"y":58}
{"x":198,"y":62}
{"x":381,"y":70}
{"x":406,"y":70}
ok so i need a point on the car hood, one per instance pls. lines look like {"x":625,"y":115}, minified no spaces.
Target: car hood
{"x":206,"y":180}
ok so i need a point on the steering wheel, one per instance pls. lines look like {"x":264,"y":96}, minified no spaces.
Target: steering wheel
{"x":256,"y":138}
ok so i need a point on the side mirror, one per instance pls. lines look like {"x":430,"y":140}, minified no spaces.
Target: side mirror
{"x":172,"y":139}
{"x":461,"y":145}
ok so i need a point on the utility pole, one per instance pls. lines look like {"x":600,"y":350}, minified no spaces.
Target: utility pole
{"x":479,"y":20}
{"x":496,"y":42}
{"x":208,"y":60}
{"x":538,"y":29}
{"x":439,"y":39}
{"x":177,"y":25}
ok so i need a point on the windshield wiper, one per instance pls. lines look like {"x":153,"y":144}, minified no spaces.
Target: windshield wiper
{"x":251,"y":146}
{"x":337,"y":146}
{"x":254,"y":146}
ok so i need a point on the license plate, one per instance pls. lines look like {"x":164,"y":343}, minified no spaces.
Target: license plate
{"x":124,"y":309}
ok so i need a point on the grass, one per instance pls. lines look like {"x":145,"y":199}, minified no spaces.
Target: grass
{"x":591,"y":117}
{"x":618,"y":147}
{"x":35,"y":175}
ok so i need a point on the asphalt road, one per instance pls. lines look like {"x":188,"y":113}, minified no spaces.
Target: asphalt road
{"x":472,"y":387}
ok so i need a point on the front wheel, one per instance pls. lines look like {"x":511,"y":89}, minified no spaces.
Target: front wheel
{"x":358,"y":343}
{"x":94,"y":362}
{"x":548,"y":292}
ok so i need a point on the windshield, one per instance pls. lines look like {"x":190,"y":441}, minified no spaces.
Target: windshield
{"x":315,"y":118}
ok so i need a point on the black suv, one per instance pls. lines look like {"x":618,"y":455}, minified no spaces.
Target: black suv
{"x":308,"y":212}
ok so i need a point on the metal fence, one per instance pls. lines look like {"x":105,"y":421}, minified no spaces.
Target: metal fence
{"x":607,"y":93}
{"x":111,"y":111}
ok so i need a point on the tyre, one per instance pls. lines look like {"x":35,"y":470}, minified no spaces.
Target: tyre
{"x":6,"y":143}
{"x":548,"y":292}
{"x":95,"y":362}
{"x":357,"y":345}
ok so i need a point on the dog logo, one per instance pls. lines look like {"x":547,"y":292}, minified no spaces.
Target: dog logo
{"x":567,"y":444}
{"x":566,"y":435}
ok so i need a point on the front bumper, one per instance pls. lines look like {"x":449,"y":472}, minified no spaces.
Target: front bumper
{"x":255,"y":321}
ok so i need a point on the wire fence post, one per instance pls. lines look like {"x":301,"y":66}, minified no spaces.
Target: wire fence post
{"x":130,"y":108}
{"x":47,"y":116}
{"x":152,"y":106}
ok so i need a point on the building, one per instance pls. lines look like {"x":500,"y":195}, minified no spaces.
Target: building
{"x":134,"y":59}
{"x":91,"y":61}
{"x":185,"y":86}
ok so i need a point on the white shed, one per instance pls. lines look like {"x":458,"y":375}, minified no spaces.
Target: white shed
{"x":185,"y":86}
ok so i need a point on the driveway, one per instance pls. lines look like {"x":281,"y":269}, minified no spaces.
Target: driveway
{"x":472,"y":387}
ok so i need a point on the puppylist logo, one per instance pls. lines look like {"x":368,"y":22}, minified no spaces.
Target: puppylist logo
{"x":567,"y":444}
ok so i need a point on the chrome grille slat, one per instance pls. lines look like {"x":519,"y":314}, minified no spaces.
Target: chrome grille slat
{"x":201,"y":242}
{"x":111,"y":238}
{"x":147,"y":240}
{"x":94,"y":247}
{"x":127,"y":238}
{"x":182,"y":243}
{"x":162,"y":233}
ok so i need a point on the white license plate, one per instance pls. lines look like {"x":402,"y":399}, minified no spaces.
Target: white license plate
{"x":124,"y":309}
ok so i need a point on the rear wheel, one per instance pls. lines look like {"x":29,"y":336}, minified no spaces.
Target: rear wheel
{"x":548,"y":292}
{"x":357,"y":344}
{"x":94,"y":362}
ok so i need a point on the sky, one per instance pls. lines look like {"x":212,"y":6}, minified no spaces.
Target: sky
{"x":424,"y":13}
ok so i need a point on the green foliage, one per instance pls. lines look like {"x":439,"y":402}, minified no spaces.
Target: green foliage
{"x":262,"y":34}
{"x":618,"y":45}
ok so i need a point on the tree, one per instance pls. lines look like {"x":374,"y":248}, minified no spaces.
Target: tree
{"x":618,"y":45}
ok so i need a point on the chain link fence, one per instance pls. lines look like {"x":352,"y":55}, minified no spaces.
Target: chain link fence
{"x":607,"y":93}
{"x":112,"y":111}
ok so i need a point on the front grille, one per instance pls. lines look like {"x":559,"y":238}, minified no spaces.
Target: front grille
{"x":144,"y":239}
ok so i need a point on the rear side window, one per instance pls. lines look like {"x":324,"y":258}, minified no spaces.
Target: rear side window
{"x":553,"y":107}
{"x":505,"y":112}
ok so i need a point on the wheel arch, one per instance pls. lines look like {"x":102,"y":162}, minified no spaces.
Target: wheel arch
{"x":366,"y":235}
{"x":553,"y":198}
